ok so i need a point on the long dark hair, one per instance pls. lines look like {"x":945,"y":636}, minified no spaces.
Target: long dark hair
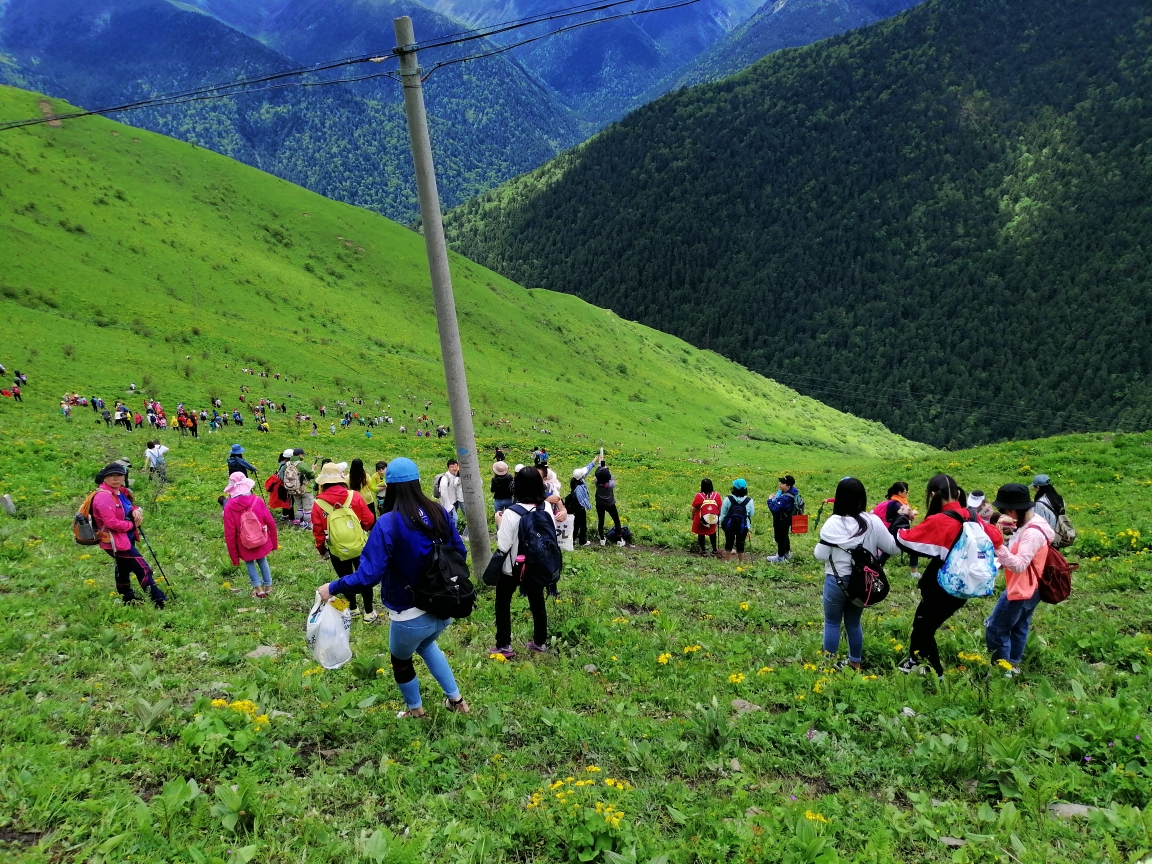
{"x":897,"y":488}
{"x":941,"y":488}
{"x":357,"y":478}
{"x":851,"y":502}
{"x":409,"y":500}
{"x":706,"y":486}
{"x":528,"y":486}
{"x":1054,"y":499}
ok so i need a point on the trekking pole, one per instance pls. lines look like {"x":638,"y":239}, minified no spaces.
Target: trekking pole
{"x":167,"y":581}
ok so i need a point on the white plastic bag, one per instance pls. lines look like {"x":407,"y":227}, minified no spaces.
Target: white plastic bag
{"x":327,"y":634}
{"x":565,"y":532}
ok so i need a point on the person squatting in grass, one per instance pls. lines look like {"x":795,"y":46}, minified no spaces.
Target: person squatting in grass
{"x":706,"y":514}
{"x":934,"y":538}
{"x":850,"y":526}
{"x":249,"y":532}
{"x":736,"y":519}
{"x":335,"y":495}
{"x":117,"y":518}
{"x":1023,"y":560}
{"x":529,"y":492}
{"x":397,"y":554}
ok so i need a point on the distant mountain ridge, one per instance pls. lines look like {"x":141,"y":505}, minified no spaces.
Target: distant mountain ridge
{"x":939,"y":222}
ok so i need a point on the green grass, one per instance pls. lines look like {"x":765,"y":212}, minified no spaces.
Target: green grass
{"x":133,"y":257}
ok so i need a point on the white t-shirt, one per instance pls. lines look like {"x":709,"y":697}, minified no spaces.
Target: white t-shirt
{"x":508,"y":536}
{"x":451,"y":491}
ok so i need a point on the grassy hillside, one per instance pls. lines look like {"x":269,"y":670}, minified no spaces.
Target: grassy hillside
{"x":130,"y":257}
{"x":962,"y":183}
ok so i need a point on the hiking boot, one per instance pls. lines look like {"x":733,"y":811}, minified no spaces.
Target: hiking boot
{"x":506,"y":651}
{"x":538,"y":649}
{"x":371,"y":617}
{"x":911,"y":665}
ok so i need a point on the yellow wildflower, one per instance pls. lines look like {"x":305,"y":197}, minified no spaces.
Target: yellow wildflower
{"x":691,"y":649}
{"x":764,"y":670}
{"x":592,"y":769}
{"x":85,"y":557}
{"x":499,"y":658}
{"x":219,"y":703}
{"x":744,"y":607}
{"x":1004,"y":664}
{"x":736,"y":678}
{"x":663,"y":659}
{"x":226,"y":585}
{"x":897,"y":647}
{"x":90,"y":582}
{"x":810,"y":667}
{"x":815,"y":817}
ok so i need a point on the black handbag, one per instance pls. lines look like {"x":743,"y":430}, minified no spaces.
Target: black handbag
{"x":495,"y":569}
{"x":867,"y":584}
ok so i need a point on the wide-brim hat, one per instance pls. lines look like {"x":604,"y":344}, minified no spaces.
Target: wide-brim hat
{"x":236,"y":450}
{"x":500,"y":469}
{"x":333,"y":472}
{"x":238,"y":484}
{"x":1013,"y":496}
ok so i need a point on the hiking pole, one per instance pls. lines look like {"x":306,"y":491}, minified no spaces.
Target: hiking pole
{"x":820,"y":512}
{"x":167,"y":582}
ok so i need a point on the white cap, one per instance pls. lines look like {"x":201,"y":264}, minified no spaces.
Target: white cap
{"x":579,"y":473}
{"x":516,"y":470}
{"x":287,"y":454}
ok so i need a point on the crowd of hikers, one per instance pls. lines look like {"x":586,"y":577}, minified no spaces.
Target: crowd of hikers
{"x":381,"y":528}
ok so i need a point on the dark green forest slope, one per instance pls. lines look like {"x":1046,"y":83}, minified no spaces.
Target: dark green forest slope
{"x":941,"y":222}
{"x":348,"y":142}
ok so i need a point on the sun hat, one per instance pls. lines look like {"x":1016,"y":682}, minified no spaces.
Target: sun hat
{"x":287,"y":454}
{"x":238,"y":484}
{"x":500,"y":469}
{"x":236,"y":450}
{"x":740,"y":483}
{"x":333,"y":472}
{"x":1041,"y":480}
{"x":113,"y":468}
{"x":976,"y":499}
{"x":401,"y":470}
{"x":579,"y":473}
{"x":1013,"y":496}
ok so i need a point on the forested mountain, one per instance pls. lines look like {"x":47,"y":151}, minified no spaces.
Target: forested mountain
{"x":941,"y":222}
{"x":348,"y":142}
{"x":779,"y":24}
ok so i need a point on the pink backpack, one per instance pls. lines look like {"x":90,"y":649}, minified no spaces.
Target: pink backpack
{"x":881,"y":510}
{"x":253,"y":532}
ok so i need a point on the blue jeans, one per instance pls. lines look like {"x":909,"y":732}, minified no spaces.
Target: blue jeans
{"x":418,"y":636}
{"x":1006,"y":629}
{"x":837,"y":608}
{"x":254,"y":574}
{"x":501,"y":504}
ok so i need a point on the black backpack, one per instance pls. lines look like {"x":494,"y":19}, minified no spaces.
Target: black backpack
{"x":539,"y":546}
{"x":445,"y":589}
{"x":736,"y":509}
{"x":867,"y":583}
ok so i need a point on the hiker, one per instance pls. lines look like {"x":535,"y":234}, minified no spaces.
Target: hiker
{"x":606,"y":504}
{"x":447,"y":488}
{"x":1048,"y":503}
{"x":736,"y":519}
{"x":381,"y":485}
{"x":117,"y":518}
{"x":397,"y":554}
{"x":249,"y":532}
{"x":501,"y":488}
{"x":784,"y":504}
{"x":706,"y":514}
{"x":154,"y":460}
{"x":849,"y":527}
{"x":237,"y":462}
{"x":278,"y":497}
{"x":358,"y":480}
{"x":895,"y":504}
{"x":1023,"y":560}
{"x":344,"y":541}
{"x":934,"y":538}
{"x":107,"y":415}
{"x":529,"y":497}
{"x":16,"y":393}
{"x":296,"y":481}
{"x":578,"y":504}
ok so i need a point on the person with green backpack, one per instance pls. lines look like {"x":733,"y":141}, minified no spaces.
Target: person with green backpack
{"x":340,"y":523}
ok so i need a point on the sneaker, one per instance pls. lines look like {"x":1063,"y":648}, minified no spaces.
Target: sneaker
{"x":355,"y":613}
{"x":846,"y":664}
{"x":371,"y":617}
{"x":621,"y":543}
{"x":603,"y":541}
{"x":1013,"y":672}
{"x":912,"y":665}
{"x":915,"y":574}
{"x":774,"y":559}
{"x":506,"y":651}
{"x":539,"y":649}
{"x":586,"y":543}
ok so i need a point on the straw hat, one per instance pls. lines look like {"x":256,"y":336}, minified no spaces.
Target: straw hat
{"x":333,"y":472}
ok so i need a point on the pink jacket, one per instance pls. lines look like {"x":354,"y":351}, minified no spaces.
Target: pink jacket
{"x":233,"y":510}
{"x":109,"y":513}
{"x":1023,"y":559}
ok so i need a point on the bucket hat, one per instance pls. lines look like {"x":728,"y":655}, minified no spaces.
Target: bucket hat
{"x":500,"y":469}
{"x":238,"y":484}
{"x":236,"y":450}
{"x":1013,"y":496}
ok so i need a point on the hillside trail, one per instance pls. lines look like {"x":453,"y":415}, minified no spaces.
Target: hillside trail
{"x":46,"y":110}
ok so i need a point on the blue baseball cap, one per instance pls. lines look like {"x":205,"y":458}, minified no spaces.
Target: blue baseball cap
{"x":237,"y":449}
{"x":401,"y":470}
{"x":741,"y":483}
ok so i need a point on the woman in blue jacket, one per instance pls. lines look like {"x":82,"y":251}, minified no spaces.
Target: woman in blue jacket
{"x":397,"y":554}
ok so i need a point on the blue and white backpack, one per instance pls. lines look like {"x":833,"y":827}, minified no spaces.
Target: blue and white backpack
{"x":969,"y":571}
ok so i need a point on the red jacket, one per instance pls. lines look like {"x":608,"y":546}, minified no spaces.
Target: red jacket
{"x":937,"y":534}
{"x":233,"y":510}
{"x":336,"y":496}
{"x":274,"y":487}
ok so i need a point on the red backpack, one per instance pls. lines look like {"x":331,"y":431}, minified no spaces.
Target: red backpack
{"x":709,"y":512}
{"x":1056,"y":579}
{"x":253,"y":532}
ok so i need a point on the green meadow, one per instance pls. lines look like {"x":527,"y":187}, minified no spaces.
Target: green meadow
{"x":684,"y":714}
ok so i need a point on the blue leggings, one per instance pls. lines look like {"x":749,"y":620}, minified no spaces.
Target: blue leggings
{"x":418,"y":636}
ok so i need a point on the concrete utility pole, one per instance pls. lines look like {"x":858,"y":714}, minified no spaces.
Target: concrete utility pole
{"x":462,"y":431}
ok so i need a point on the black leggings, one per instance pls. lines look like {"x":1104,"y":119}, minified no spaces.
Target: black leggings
{"x":580,"y":532}
{"x":712,"y":537}
{"x":129,"y":563}
{"x":505,"y":588}
{"x":936,"y":607}
{"x":735,"y":538}
{"x":347,"y":568}
{"x":783,"y":534}
{"x":611,"y":510}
